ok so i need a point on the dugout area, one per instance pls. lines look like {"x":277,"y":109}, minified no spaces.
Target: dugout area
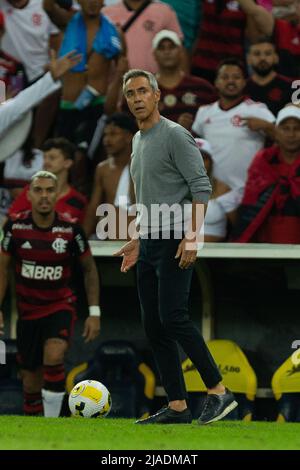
{"x":254,"y":303}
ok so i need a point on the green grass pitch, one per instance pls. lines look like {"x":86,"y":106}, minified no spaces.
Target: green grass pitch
{"x":28,"y":433}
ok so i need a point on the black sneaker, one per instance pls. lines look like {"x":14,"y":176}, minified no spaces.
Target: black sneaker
{"x":216,"y":407}
{"x":168,"y":416}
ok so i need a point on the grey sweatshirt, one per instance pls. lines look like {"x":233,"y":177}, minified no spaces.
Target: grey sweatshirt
{"x":167,"y":168}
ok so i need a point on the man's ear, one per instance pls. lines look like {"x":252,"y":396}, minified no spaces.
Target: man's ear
{"x":68,"y":163}
{"x":157,"y":95}
{"x":28,"y":195}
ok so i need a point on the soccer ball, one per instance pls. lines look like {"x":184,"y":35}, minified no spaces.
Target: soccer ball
{"x":90,"y":399}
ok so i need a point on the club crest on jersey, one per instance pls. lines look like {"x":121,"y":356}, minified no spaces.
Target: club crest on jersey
{"x":59,"y":245}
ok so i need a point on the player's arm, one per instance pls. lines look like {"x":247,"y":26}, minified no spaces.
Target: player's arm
{"x":91,"y":281}
{"x":5,"y":259}
{"x":90,"y":218}
{"x":58,"y":15}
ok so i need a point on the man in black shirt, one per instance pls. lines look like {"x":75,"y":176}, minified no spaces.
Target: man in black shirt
{"x":265,"y":84}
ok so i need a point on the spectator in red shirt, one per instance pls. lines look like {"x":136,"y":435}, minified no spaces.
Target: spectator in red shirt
{"x":221,"y":35}
{"x":270,"y":210}
{"x":58,"y":159}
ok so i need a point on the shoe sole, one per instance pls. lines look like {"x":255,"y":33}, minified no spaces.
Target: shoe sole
{"x":227,"y":410}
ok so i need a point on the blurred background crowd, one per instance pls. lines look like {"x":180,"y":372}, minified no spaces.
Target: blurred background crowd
{"x":228,"y":71}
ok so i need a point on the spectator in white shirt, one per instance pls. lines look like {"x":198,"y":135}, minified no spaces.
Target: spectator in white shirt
{"x":29,"y":34}
{"x":235,"y":126}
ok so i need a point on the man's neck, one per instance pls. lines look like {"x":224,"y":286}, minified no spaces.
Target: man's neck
{"x":289,"y":157}
{"x":43,"y":221}
{"x":227,"y":103}
{"x":122,"y":159}
{"x":150,"y":122}
{"x":133,"y":5}
{"x":259,"y":80}
{"x":169,"y":78}
{"x":62,"y":185}
{"x":91,"y":20}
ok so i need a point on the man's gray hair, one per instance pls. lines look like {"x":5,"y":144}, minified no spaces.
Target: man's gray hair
{"x":135,"y":73}
{"x":44,"y":174}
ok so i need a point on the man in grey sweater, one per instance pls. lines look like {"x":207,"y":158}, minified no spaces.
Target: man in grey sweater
{"x":172,"y":189}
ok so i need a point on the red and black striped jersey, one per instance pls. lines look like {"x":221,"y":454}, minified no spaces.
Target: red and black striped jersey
{"x":221,"y":35}
{"x":287,"y":40}
{"x":43,"y":262}
{"x":191,"y":93}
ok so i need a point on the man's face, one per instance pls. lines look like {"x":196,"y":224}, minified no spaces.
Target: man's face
{"x":167,"y":54}
{"x":262,"y":58}
{"x":115,"y":139}
{"x":230,"y":82}
{"x":91,"y":8}
{"x":142,"y":100}
{"x":18,"y":3}
{"x":288,"y":135}
{"x":42,"y":194}
{"x":55,"y":161}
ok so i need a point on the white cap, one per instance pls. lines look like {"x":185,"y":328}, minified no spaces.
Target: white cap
{"x":290,"y":111}
{"x":166,"y":34}
{"x":204,"y":146}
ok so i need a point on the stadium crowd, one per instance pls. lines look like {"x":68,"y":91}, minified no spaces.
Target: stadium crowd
{"x":226,"y":70}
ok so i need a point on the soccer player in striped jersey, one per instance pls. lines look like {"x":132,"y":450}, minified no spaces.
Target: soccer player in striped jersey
{"x":43,"y":244}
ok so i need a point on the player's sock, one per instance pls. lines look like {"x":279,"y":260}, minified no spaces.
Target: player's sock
{"x":54,"y":389}
{"x":33,"y":404}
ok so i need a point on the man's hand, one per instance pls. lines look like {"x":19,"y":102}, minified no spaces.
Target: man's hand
{"x":1,"y":324}
{"x":255,"y":124}
{"x":58,"y":67}
{"x":91,"y":328}
{"x":187,"y":251}
{"x":260,"y":125}
{"x":186,"y":120}
{"x":130,"y":252}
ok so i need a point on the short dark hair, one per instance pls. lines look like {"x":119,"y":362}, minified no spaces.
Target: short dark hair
{"x":123,"y":121}
{"x":64,"y":145}
{"x":263,"y":40}
{"x":234,"y":61}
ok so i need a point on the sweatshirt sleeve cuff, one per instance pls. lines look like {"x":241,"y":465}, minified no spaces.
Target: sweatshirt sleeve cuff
{"x":54,"y":84}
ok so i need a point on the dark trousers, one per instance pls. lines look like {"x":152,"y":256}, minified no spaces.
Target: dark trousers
{"x":164,"y":294}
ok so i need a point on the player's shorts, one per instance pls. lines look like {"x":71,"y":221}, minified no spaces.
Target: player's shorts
{"x":32,"y":335}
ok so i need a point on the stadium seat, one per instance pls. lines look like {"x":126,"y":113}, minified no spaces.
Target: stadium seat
{"x":237,"y":374}
{"x":130,"y":381}
{"x":286,"y":389}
